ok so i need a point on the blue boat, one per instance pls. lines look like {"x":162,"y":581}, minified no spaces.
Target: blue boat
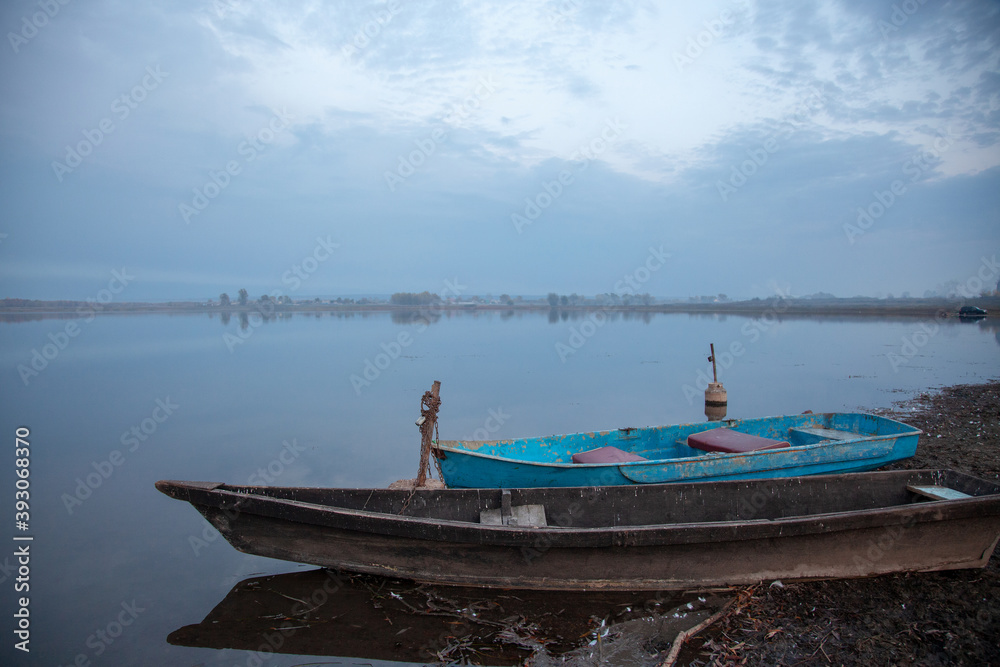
{"x":767,"y":447}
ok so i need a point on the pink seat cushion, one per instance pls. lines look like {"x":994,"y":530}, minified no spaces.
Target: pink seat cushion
{"x":730,"y":441}
{"x":606,"y":455}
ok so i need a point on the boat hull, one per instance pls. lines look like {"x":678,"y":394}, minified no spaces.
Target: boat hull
{"x":789,"y":529}
{"x":956,"y":545}
{"x":541,"y":462}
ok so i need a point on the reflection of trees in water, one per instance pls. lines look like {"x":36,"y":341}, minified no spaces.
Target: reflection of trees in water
{"x":557,"y":315}
{"x":414,"y":316}
{"x":259,"y":316}
{"x":991,"y":325}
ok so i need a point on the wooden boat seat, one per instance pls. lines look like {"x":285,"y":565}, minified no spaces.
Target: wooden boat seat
{"x":731,"y":442}
{"x":606,"y":455}
{"x":937,"y":492}
{"x":532,"y":516}
{"x":827,"y":433}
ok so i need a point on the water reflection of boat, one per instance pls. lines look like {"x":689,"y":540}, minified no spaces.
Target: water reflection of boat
{"x":639,"y":537}
{"x":322,"y":612}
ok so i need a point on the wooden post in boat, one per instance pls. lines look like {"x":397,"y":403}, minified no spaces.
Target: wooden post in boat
{"x":715,"y":376}
{"x":716,"y":400}
{"x":429,"y":404}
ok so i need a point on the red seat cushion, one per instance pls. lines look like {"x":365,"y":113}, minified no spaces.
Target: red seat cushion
{"x":730,"y":441}
{"x":606,"y":455}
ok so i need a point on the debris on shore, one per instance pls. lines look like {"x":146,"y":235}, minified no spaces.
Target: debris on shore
{"x":933,"y":618}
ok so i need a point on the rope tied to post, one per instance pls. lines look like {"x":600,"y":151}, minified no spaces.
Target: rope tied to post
{"x":430,"y":403}
{"x":429,"y":406}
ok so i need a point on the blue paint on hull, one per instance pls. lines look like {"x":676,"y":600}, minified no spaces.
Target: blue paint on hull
{"x":850,"y":442}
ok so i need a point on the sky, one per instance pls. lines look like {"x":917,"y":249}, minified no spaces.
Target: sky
{"x":180,"y":150}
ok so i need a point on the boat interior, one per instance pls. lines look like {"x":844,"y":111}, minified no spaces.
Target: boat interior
{"x":626,"y":445}
{"x":653,"y":504}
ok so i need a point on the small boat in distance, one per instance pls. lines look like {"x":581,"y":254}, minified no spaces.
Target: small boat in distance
{"x":807,"y":444}
{"x":631,"y":538}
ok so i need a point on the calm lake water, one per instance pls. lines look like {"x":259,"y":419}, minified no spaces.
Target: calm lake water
{"x":330,"y":401}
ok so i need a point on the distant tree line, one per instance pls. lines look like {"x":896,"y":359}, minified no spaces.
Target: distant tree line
{"x":424,"y":298}
{"x":556,"y":301}
{"x":243,"y":296}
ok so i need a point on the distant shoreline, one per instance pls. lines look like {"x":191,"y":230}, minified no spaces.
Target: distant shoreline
{"x":938,"y":307}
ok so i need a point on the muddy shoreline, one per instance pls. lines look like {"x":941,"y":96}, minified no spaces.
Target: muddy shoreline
{"x":938,"y":618}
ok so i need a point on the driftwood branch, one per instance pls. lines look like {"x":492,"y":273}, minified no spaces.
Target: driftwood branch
{"x":682,"y":637}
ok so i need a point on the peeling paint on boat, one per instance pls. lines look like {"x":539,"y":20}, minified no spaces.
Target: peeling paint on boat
{"x":866,"y":442}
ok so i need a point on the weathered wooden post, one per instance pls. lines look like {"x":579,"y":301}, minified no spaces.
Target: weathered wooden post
{"x":429,"y":404}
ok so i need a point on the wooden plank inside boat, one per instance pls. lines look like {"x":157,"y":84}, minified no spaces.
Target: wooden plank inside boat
{"x":828,"y":433}
{"x":937,"y":492}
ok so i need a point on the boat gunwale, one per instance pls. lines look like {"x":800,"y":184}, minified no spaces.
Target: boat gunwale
{"x":433,"y":530}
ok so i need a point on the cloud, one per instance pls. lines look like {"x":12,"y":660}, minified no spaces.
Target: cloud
{"x":418,"y":129}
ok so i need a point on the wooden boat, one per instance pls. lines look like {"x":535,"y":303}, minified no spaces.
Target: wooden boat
{"x":638,"y":537}
{"x":807,"y":444}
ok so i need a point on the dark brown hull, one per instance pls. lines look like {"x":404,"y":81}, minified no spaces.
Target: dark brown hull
{"x":712,"y":534}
